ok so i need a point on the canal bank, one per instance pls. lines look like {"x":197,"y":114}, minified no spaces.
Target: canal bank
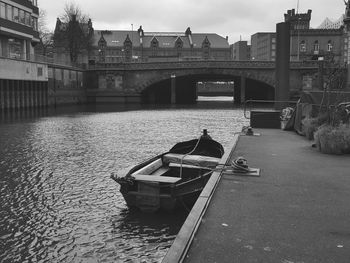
{"x":296,"y":211}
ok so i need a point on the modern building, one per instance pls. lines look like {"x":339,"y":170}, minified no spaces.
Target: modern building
{"x":18,"y":28}
{"x":263,"y":46}
{"x":23,"y":82}
{"x":332,"y":24}
{"x":240,"y":50}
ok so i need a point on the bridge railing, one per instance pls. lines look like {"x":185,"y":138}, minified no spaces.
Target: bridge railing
{"x":185,"y":64}
{"x":198,"y":64}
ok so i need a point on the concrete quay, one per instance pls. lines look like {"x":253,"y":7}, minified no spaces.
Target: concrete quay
{"x":297,"y":211}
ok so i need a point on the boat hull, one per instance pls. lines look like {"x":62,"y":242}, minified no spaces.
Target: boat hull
{"x":173,"y":179}
{"x":150,"y":198}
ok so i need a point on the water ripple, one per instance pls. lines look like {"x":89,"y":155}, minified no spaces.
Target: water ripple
{"x":58,"y":203}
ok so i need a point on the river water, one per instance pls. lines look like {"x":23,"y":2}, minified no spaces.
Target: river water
{"x":58,"y":203}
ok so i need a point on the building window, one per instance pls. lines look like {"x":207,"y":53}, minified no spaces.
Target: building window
{"x":329,"y":46}
{"x":2,"y":10}
{"x":15,"y":14}
{"x":22,"y":17}
{"x":35,"y":23}
{"x":302,"y":46}
{"x":27,"y":19}
{"x":316,"y":47}
{"x":40,"y":71}
{"x":9,"y":12}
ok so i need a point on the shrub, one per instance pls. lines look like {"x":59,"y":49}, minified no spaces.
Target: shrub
{"x":333,"y":140}
{"x":310,"y":125}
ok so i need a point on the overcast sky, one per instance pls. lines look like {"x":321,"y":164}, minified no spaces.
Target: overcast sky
{"x":233,"y":18}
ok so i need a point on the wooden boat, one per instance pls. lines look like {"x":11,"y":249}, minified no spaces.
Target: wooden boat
{"x":173,"y":179}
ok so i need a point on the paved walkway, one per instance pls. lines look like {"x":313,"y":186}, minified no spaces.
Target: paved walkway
{"x":297,"y":211}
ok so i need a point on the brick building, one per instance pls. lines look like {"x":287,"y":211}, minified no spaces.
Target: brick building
{"x":311,"y":44}
{"x":115,"y":46}
{"x":125,"y":46}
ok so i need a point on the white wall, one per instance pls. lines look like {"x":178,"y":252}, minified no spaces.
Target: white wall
{"x":22,"y":70}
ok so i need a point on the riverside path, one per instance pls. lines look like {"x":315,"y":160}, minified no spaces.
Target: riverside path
{"x":298,"y":210}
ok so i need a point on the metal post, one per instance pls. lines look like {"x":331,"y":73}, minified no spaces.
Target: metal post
{"x":173,"y":89}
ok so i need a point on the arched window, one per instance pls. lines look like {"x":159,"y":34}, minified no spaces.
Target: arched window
{"x":154,"y":46}
{"x":302,"y":47}
{"x":316,"y":47}
{"x":329,"y":46}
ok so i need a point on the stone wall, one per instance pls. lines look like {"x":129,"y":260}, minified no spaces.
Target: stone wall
{"x":66,"y":85}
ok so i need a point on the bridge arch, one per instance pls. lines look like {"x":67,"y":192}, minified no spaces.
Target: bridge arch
{"x":253,"y":84}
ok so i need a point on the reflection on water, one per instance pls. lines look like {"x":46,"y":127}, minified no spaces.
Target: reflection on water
{"x":58,"y":203}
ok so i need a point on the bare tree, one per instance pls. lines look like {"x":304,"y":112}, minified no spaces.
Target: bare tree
{"x":77,"y":32}
{"x":45,"y":35}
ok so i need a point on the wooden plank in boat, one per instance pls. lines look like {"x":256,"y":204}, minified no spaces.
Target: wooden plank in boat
{"x":160,"y":171}
{"x":156,"y":178}
{"x":149,"y":168}
{"x":178,"y":165}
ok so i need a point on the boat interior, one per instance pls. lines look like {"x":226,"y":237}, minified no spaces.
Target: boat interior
{"x":172,"y":167}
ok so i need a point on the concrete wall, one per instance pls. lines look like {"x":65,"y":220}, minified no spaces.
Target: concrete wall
{"x":22,"y":70}
{"x":23,"y":84}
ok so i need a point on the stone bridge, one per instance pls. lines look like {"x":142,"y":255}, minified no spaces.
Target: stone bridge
{"x":175,"y":82}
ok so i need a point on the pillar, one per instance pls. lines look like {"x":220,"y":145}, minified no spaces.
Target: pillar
{"x":18,"y":93}
{"x":46,"y":94}
{"x":12,"y":94}
{"x":25,"y":94}
{"x":40,"y":92}
{"x":282,"y":63}
{"x":35,"y":93}
{"x":173,"y":89}
{"x":2,"y":97}
{"x":23,"y":97}
{"x":243,"y":86}
{"x":6,"y":94}
{"x":29,"y":94}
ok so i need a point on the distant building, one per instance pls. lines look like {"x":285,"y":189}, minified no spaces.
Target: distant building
{"x":125,"y":46}
{"x":18,"y":28}
{"x":311,"y":44}
{"x":116,"y":46}
{"x":263,"y":46}
{"x":298,"y":21}
{"x":240,"y":50}
{"x":330,"y":24}
{"x":72,"y":46}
